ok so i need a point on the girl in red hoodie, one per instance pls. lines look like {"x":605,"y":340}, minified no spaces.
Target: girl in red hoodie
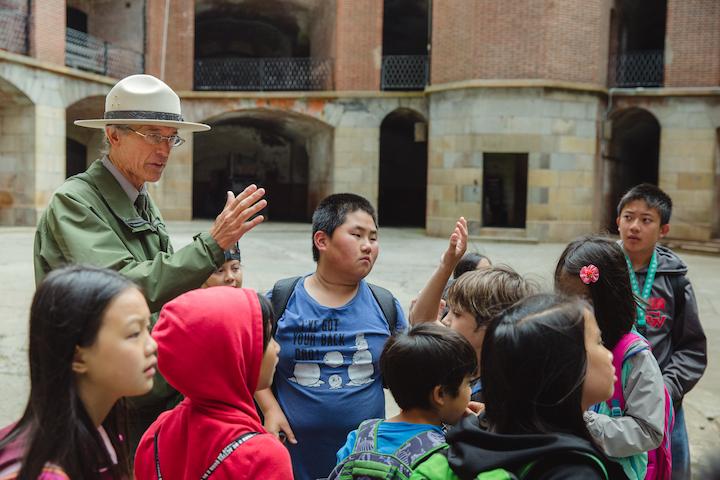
{"x":216,"y":347}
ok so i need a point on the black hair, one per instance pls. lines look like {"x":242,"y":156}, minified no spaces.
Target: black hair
{"x":333,"y":210}
{"x":468,"y":263}
{"x":67,"y":311}
{"x":534,"y":363}
{"x":653,"y":196}
{"x":612,"y":296}
{"x":268,"y":319}
{"x":414,"y":363}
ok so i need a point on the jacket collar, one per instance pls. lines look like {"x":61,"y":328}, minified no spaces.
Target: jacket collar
{"x":117,"y":199}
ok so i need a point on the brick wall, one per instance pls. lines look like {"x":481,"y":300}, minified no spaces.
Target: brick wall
{"x":486,"y":39}
{"x":179,"y":56}
{"x":692,"y":43}
{"x":358,"y":34}
{"x":47,"y":31}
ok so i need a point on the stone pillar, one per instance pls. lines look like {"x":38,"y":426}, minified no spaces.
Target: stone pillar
{"x":180,"y":45}
{"x":47,"y":31}
{"x":16,"y":150}
{"x":48,"y":169}
{"x":359,"y":44}
{"x":356,"y":167}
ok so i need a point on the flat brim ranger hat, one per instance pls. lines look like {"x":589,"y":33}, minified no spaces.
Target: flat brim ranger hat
{"x":143,"y":100}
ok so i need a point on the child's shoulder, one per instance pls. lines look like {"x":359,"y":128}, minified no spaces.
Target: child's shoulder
{"x":668,"y":262}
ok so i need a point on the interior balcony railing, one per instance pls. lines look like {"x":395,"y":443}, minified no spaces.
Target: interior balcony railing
{"x":404,"y":72}
{"x":85,"y":52}
{"x":263,"y":74}
{"x":13,"y":31}
{"x":637,"y":69}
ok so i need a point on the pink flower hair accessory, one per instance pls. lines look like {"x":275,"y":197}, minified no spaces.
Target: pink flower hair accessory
{"x":589,"y":274}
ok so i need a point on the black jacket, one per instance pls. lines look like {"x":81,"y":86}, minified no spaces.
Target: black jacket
{"x":559,"y":456}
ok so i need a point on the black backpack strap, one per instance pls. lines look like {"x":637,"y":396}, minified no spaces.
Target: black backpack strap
{"x":281,"y":293}
{"x":678,"y":284}
{"x":387,"y":304}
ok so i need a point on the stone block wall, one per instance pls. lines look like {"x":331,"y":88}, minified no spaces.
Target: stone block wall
{"x":688,"y":159}
{"x":558,"y":131}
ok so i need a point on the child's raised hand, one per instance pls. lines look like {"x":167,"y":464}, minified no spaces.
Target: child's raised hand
{"x":458,"y":244}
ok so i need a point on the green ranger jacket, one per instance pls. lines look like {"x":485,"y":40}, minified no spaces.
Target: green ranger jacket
{"x":90,"y":220}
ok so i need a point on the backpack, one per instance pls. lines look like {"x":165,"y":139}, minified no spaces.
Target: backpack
{"x":365,"y":462}
{"x":283,"y":289}
{"x":659,"y":465}
{"x":437,"y":467}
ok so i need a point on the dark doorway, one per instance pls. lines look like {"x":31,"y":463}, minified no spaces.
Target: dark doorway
{"x":75,"y":157}
{"x":637,"y":43}
{"x":405,"y":45}
{"x":77,"y":19}
{"x":402,"y":192}
{"x":632,"y":157}
{"x":505,"y":177}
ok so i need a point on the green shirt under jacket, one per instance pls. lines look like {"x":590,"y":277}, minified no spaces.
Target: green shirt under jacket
{"x":90,"y":220}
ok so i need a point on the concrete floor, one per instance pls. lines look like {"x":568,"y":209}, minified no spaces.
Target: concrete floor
{"x":277,"y":250}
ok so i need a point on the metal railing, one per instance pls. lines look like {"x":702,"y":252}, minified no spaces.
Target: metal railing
{"x":404,"y":72}
{"x":260,"y":74}
{"x":637,"y":69}
{"x":85,"y":52}
{"x":13,"y":31}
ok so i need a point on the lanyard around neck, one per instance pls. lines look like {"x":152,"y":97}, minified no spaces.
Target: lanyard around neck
{"x":647,"y":286}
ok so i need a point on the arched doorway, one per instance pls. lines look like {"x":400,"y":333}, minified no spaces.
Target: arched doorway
{"x":632,"y":158}
{"x":17,"y":156}
{"x":82,"y":145}
{"x":402,"y":195}
{"x":287,"y":154}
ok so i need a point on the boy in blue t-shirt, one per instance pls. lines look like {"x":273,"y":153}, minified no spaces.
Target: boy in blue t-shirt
{"x":331,"y":333}
{"x":428,"y":372}
{"x":669,"y":316}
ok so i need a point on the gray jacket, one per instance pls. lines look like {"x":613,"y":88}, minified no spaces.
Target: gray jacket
{"x":673,"y":326}
{"x":640,"y":429}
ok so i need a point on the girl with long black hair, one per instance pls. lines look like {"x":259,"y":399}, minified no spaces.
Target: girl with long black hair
{"x":89,"y":347}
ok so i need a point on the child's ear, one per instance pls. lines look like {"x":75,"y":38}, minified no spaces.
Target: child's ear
{"x":664,"y":230}
{"x":437,"y":396}
{"x":321,"y":239}
{"x":79,"y":365}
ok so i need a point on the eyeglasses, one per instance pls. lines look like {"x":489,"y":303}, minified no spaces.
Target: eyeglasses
{"x":156,"y":139}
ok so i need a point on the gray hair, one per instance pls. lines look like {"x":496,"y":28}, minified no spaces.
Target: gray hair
{"x":105,"y":148}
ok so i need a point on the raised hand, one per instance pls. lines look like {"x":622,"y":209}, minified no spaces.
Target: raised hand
{"x":232,"y":223}
{"x":458,"y":244}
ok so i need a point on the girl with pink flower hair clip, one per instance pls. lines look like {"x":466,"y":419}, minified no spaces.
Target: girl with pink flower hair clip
{"x":631,"y":427}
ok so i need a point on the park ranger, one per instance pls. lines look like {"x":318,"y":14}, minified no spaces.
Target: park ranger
{"x":105,"y":217}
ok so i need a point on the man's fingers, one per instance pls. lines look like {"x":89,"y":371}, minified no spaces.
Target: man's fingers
{"x":247,"y":226}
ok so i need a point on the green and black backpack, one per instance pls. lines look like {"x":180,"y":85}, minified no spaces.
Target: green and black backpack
{"x":365,"y":462}
{"x":437,"y":468}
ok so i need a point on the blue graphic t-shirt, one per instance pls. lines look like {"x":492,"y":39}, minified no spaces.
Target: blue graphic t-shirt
{"x":328,"y":378}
